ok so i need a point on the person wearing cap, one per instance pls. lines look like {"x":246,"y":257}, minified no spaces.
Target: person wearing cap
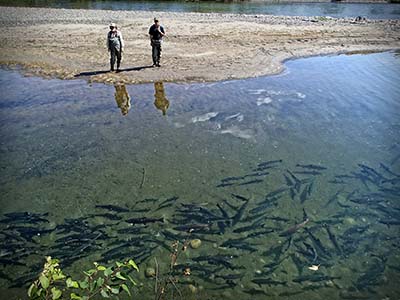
{"x":115,"y":44}
{"x":156,"y":33}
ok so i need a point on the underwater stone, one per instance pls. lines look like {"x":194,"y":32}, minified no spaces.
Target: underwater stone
{"x":196,"y":243}
{"x":150,"y":272}
{"x":192,"y":288}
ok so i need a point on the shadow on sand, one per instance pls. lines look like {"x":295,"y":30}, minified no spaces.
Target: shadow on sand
{"x":92,"y":73}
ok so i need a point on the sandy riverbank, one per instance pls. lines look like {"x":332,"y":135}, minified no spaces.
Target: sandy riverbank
{"x":198,"y":47}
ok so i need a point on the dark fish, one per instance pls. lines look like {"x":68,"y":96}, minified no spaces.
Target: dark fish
{"x":304,"y":194}
{"x":311,"y":166}
{"x":224,"y":180}
{"x":113,"y":208}
{"x":144,"y":220}
{"x":308,"y":172}
{"x":314,"y":278}
{"x":256,"y":224}
{"x":289,"y":182}
{"x":294,"y":228}
{"x":230,"y":276}
{"x":148,"y":200}
{"x":221,"y":226}
{"x":292,"y":193}
{"x":225,"y":184}
{"x":24,"y":217}
{"x":387,"y":169}
{"x":251,"y":182}
{"x":318,"y":244}
{"x":169,"y":200}
{"x":130,"y":229}
{"x":270,"y":162}
{"x":238,"y":244}
{"x":194,"y":227}
{"x":223,"y":211}
{"x":333,"y":198}
{"x":261,"y":208}
{"x":113,"y":217}
{"x":257,"y":174}
{"x":141,"y":210}
{"x":276,"y":192}
{"x":236,"y":218}
{"x":333,"y":239}
{"x":389,"y":222}
{"x":230,"y":205}
{"x":296,"y":180}
{"x":269,"y":281}
{"x":240,"y":197}
{"x":309,"y":252}
{"x":223,"y":260}
{"x":263,"y":232}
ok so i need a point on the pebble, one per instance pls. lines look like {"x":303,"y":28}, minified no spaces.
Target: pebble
{"x":150,"y":272}
{"x":192,"y":288}
{"x":196,"y":243}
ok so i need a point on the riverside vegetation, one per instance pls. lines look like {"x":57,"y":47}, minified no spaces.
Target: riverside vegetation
{"x":104,"y":281}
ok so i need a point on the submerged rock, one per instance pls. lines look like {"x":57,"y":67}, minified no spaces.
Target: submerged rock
{"x":196,"y":243}
{"x":150,"y":272}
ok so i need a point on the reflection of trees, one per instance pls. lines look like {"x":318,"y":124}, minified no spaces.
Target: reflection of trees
{"x":122,"y":98}
{"x":161,"y":101}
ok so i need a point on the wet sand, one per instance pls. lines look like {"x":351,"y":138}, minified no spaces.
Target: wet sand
{"x":68,"y":43}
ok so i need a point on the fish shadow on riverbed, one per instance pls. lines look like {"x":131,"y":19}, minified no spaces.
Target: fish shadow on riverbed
{"x":92,"y":73}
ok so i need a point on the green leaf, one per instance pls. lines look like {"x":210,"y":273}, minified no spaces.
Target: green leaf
{"x":104,"y":294}
{"x":115,"y":291}
{"x":90,"y":272}
{"x":32,"y":290}
{"x":131,"y":280}
{"x":100,"y":282}
{"x":75,"y":297}
{"x":44,"y":281}
{"x":133,"y":264}
{"x":125,"y":288}
{"x":101,"y":268}
{"x":58,"y":276}
{"x":56,"y":293}
{"x":108,"y":272}
{"x":71,"y":283}
{"x":83,"y":284}
{"x":119,"y":276}
{"x":119,"y":264}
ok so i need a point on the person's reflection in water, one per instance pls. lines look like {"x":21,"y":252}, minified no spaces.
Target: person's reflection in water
{"x":161,"y":102}
{"x":122,"y":98}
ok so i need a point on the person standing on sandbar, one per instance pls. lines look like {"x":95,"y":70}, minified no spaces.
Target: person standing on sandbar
{"x":115,"y":44}
{"x":156,"y":33}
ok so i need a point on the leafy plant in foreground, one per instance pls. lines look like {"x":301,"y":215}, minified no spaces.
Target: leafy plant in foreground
{"x":102,"y":281}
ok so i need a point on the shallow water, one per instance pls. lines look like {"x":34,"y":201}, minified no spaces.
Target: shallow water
{"x":338,"y":10}
{"x":329,"y":124}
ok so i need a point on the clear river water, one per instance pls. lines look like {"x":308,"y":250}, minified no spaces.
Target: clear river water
{"x":273,"y":174}
{"x":332,"y":9}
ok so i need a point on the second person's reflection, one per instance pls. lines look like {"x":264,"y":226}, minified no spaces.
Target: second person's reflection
{"x":122,"y":98}
{"x":160,"y":101}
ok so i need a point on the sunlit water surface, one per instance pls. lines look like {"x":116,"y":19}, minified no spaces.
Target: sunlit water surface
{"x":332,"y":9}
{"x":239,"y":162}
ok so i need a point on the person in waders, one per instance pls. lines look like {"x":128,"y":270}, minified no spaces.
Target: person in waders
{"x":156,"y":33}
{"x":115,"y":44}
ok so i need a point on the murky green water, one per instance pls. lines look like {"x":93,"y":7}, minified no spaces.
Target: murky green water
{"x":329,"y":124}
{"x":333,"y":9}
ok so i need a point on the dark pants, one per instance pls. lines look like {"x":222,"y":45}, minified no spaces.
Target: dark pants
{"x":156,"y":51}
{"x":115,"y":53}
